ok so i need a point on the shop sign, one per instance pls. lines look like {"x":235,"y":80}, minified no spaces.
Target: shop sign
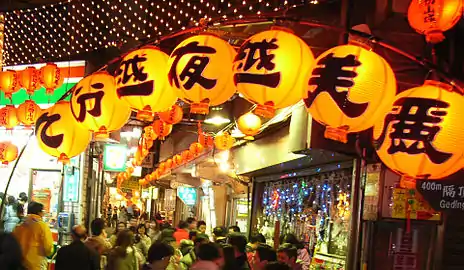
{"x":42,"y":196}
{"x":71,"y":184}
{"x":169,"y":200}
{"x":371,"y":192}
{"x":115,"y":157}
{"x":130,"y":184}
{"x":443,"y":195}
{"x":148,"y":161}
{"x":188,"y":195}
{"x":409,"y":204}
{"x":146,"y":194}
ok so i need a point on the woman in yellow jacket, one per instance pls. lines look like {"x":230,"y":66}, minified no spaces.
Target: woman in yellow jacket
{"x":35,"y":238}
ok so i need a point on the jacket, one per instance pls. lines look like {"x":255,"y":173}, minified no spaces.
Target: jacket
{"x":35,"y":239}
{"x":11,"y":218}
{"x":117,"y":261}
{"x":101,"y":246}
{"x":304,"y":258}
{"x":181,"y":234}
{"x":186,"y":246}
{"x":188,"y":260}
{"x":204,"y":265}
{"x":77,"y":256}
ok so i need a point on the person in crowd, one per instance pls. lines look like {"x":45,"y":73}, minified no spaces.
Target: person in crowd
{"x":234,"y":229}
{"x":114,"y":217}
{"x":255,"y":241}
{"x":177,"y":257}
{"x":192,"y":223}
{"x":303,"y":255}
{"x":288,"y":254}
{"x":181,"y":231}
{"x":154,"y":230}
{"x":239,"y":242}
{"x":123,"y":217}
{"x":22,"y":205}
{"x":208,"y":257}
{"x":201,"y":225}
{"x":264,"y":254}
{"x":159,"y":256}
{"x":187,"y":244}
{"x":228,"y":258}
{"x":98,"y":240}
{"x":10,"y":253}
{"x":11,"y":218}
{"x":35,"y":238}
{"x":77,"y":255}
{"x":123,"y":255}
{"x":190,"y":258}
{"x":109,"y":214}
{"x":144,"y":242}
{"x":277,"y":266}
{"x":120,"y":227}
{"x":130,"y":212}
{"x":133,"y":228}
{"x":219,"y":235}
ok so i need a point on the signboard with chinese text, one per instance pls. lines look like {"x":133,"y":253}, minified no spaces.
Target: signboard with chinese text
{"x":169,"y":200}
{"x":71,"y":184}
{"x":403,"y":201}
{"x":188,"y":195}
{"x":445,"y":195}
{"x":371,"y":192}
{"x":130,"y":184}
{"x":115,"y":157}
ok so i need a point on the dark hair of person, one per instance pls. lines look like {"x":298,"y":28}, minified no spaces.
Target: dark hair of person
{"x":22,"y":195}
{"x":257,"y":238}
{"x":219,"y":232}
{"x":201,"y":238}
{"x":183,"y":225}
{"x":133,"y":229}
{"x":192,"y":234}
{"x":117,"y":230}
{"x":141,"y":225}
{"x":77,"y":235}
{"x":167,"y":233}
{"x":23,"y":198}
{"x":230,"y":262}
{"x":208,"y":252}
{"x":35,"y":208}
{"x":291,"y":239}
{"x":239,"y":241}
{"x":10,"y":252}
{"x":234,"y":228}
{"x":124,"y":240}
{"x":200,"y":223}
{"x":97,"y":226}
{"x":266,"y":253}
{"x":158,"y":251}
{"x":190,"y":220}
{"x":168,"y":240}
{"x":164,"y":226}
{"x":289,"y":249}
{"x":277,"y":266}
{"x":13,"y":203}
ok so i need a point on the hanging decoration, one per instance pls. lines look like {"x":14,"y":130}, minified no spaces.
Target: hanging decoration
{"x":8,"y":117}
{"x":161,"y":129}
{"x":95,"y":104}
{"x":30,"y":80}
{"x":59,"y":134}
{"x":9,"y":82}
{"x":224,"y":141}
{"x":186,"y":156}
{"x":249,"y":124}
{"x":198,"y":71}
{"x":172,"y":116}
{"x":272,"y":69}
{"x":142,"y":82}
{"x":28,"y":112}
{"x":177,"y":160}
{"x":196,"y":149}
{"x":51,"y":77}
{"x":421,"y":137}
{"x":8,"y":152}
{"x":433,"y":17}
{"x":350,"y":89}
{"x":149,"y":133}
{"x":169,"y":163}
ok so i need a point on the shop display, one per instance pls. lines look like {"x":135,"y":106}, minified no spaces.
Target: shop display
{"x":316,"y":209}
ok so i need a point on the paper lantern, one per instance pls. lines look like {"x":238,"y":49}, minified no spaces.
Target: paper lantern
{"x":177,"y":160}
{"x":186,"y":155}
{"x":30,"y":80}
{"x":200,"y":71}
{"x":142,"y":182}
{"x":51,"y":77}
{"x":433,"y":17}
{"x":350,"y":89}
{"x":162,"y":167}
{"x":59,"y":134}
{"x":422,"y":136}
{"x":95,"y":104}
{"x":249,"y":124}
{"x":8,"y":152}
{"x":196,"y":148}
{"x":169,"y":163}
{"x":161,"y":129}
{"x":155,"y":175}
{"x":272,"y":69}
{"x":205,"y":140}
{"x":224,"y":141}
{"x":143,"y":84}
{"x":173,"y":116}
{"x":8,"y":117}
{"x":28,"y":112}
{"x":9,"y":82}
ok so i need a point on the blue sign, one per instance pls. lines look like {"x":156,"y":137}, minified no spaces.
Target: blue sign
{"x":188,"y":195}
{"x":71,"y":184}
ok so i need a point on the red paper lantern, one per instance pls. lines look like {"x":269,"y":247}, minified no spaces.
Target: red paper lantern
{"x":30,"y":80}
{"x":173,"y":116}
{"x":162,"y":167}
{"x":28,"y":112}
{"x":186,"y":155}
{"x":161,"y":129}
{"x":9,"y":82}
{"x":8,"y":117}
{"x":51,"y":77}
{"x":169,"y":163}
{"x":8,"y":152}
{"x":205,"y":140}
{"x":177,"y":160}
{"x":196,"y":148}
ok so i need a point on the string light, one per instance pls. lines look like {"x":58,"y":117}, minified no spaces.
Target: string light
{"x":62,"y":30}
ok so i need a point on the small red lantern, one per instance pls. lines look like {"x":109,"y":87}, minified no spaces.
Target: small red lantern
{"x":30,"y":80}
{"x":51,"y":77}
{"x":9,"y":82}
{"x":28,"y":112}
{"x":205,"y":140}
{"x":196,"y":148}
{"x":169,"y":163}
{"x":162,"y":167}
{"x":177,"y":160}
{"x":186,"y":155}
{"x":224,"y":141}
{"x":149,"y":133}
{"x":173,"y":116}
{"x":8,"y":117}
{"x":161,"y":129}
{"x":8,"y":152}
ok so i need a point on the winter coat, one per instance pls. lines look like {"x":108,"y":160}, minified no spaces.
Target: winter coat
{"x":204,"y":265}
{"x":11,"y":219}
{"x":101,"y":245}
{"x":117,"y":260}
{"x":35,"y":239}
{"x":188,"y":260}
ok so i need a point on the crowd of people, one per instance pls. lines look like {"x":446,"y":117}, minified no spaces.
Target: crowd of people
{"x":148,"y":246}
{"x":13,"y":212}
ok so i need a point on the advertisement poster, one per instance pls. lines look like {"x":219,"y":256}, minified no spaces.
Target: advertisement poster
{"x":42,"y":196}
{"x":403,"y":201}
{"x":371,"y":192}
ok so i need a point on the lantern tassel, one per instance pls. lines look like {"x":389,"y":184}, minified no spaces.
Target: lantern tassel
{"x":434,"y":37}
